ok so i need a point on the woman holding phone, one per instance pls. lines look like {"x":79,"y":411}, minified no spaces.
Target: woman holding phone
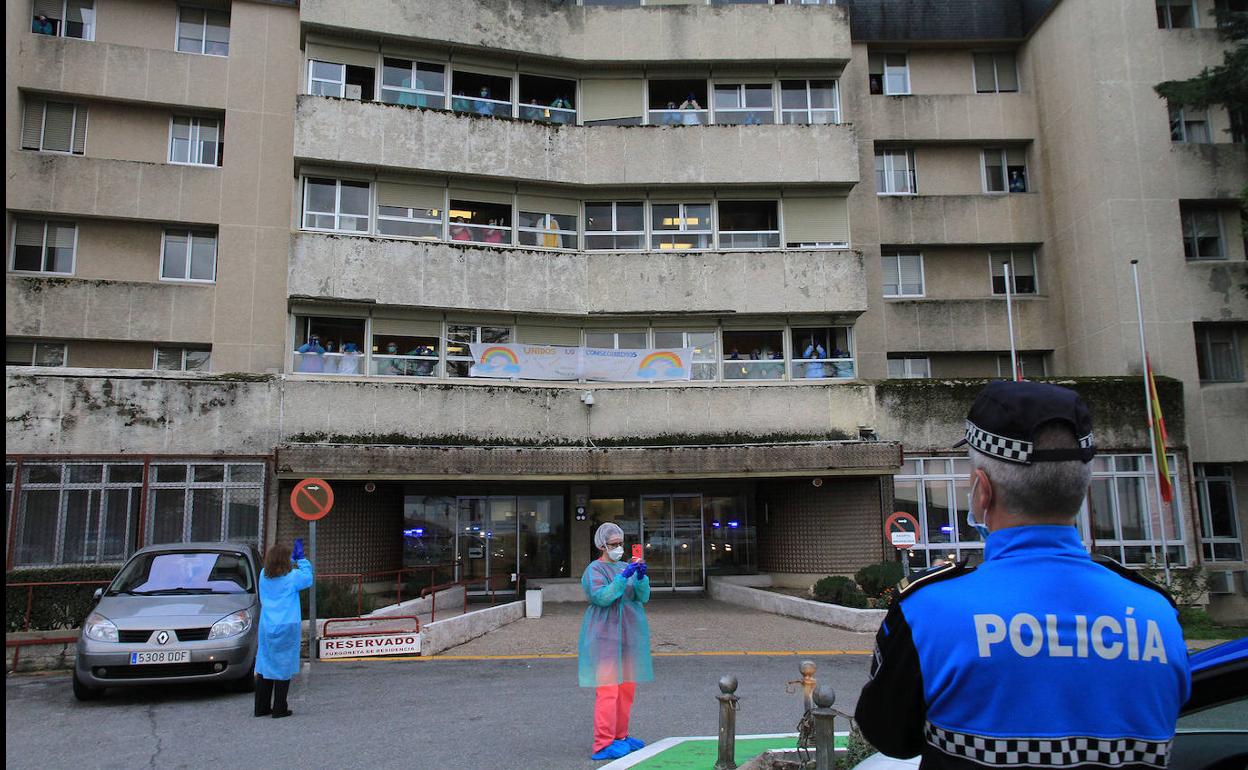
{"x":615,"y":640}
{"x":281,"y":621}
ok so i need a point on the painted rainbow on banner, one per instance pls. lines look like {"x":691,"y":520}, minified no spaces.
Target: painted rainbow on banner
{"x":495,"y":352}
{"x":661,"y":355}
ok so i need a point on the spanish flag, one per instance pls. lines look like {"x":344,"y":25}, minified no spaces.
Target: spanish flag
{"x":1157,"y":428}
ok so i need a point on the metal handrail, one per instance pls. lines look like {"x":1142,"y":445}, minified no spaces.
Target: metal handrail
{"x":30,"y":587}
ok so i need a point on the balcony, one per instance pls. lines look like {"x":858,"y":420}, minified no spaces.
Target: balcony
{"x":118,"y":189}
{"x":1008,"y":117}
{"x":961,"y":219}
{"x":121,"y":72}
{"x":742,"y":33}
{"x":419,"y":140}
{"x":395,"y":272}
{"x":935,"y":325}
{"x":73,"y":308}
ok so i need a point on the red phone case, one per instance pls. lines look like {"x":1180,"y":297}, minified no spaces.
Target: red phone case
{"x":637,"y":551}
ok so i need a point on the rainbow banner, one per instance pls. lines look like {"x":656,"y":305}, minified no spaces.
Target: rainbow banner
{"x":559,"y":362}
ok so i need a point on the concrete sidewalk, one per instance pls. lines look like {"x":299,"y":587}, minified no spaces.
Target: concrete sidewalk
{"x":678,"y":624}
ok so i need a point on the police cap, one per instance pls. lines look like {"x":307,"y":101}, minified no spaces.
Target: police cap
{"x":1006,"y":416}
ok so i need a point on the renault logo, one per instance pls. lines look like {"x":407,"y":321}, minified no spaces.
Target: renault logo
{"x":162,"y":637}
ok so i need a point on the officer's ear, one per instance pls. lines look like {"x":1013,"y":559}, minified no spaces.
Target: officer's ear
{"x":984,"y":493}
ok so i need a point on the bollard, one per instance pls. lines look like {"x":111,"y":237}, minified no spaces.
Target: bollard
{"x":807,"y":670}
{"x":727,"y":723}
{"x":825,"y":728}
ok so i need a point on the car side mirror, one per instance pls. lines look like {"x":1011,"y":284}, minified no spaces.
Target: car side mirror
{"x":98,"y":593}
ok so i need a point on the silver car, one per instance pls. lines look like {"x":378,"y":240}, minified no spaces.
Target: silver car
{"x":181,"y":612}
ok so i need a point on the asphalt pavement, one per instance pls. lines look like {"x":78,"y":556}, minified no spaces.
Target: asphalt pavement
{"x":426,"y":714}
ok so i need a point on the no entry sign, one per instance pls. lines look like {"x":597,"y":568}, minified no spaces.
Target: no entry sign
{"x":902,"y":530}
{"x":311,"y":499}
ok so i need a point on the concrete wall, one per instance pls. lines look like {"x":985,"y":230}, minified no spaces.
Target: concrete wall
{"x":592,"y":34}
{"x":444,"y":275}
{"x":965,"y":116}
{"x":118,"y":131}
{"x":443,"y":634}
{"x":118,"y":250}
{"x":975,"y":324}
{"x":947,"y":219}
{"x":725,"y":589}
{"x":375,"y":134}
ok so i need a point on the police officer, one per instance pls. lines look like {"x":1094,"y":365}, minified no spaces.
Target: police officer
{"x":1043,"y":656}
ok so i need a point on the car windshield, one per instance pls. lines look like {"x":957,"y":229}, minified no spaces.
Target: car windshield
{"x":184,"y":572}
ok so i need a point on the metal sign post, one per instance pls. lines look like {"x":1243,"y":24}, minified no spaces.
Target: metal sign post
{"x":312,"y":499}
{"x":312,"y":593}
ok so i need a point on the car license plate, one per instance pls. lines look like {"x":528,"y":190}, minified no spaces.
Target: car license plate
{"x":160,"y":656}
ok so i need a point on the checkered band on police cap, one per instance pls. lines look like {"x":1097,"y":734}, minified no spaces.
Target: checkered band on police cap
{"x":1005,"y":417}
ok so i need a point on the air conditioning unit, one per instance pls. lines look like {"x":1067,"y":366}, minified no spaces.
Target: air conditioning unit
{"x":354,"y":92}
{"x":1221,"y":582}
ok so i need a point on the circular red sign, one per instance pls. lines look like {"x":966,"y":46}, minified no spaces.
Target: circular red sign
{"x":311,"y":499}
{"x":896,"y":522}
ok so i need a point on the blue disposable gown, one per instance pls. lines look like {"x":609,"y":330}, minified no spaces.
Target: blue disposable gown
{"x":277,"y":653}
{"x":615,"y":637}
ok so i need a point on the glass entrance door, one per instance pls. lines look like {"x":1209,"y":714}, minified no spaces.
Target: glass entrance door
{"x":473,"y":554}
{"x":672,"y":535}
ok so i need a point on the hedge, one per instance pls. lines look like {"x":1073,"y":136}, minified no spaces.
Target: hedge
{"x":52,"y":607}
{"x":838,"y":589}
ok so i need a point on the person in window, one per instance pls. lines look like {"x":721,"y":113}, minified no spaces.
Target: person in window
{"x":350,"y":361}
{"x":483,"y":106}
{"x":552,"y":240}
{"x":670,"y":117}
{"x":561,"y":102}
{"x":690,"y":103}
{"x":459,"y":103}
{"x":814,"y":370}
{"x":394,"y":366}
{"x":1018,"y":183}
{"x":310,"y":356}
{"x":494,"y":235}
{"x":422,"y":367}
{"x":41,"y":25}
{"x":460,"y":231}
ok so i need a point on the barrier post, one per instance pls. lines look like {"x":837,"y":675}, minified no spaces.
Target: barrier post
{"x":825,"y":728}
{"x":727,"y":723}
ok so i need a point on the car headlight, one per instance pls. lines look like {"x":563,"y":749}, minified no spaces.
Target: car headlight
{"x":99,"y":628}
{"x":231,"y":625}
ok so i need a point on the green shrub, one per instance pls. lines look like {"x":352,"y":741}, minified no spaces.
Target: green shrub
{"x":857,"y":748}
{"x":1187,"y":584}
{"x":52,"y":607}
{"x":875,"y":579}
{"x":337,"y":599}
{"x":838,"y":589}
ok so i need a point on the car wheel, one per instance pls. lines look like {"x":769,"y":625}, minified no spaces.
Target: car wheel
{"x":83,"y":691}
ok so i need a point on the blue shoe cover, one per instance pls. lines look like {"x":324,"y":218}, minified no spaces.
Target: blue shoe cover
{"x":613,"y":750}
{"x":635,"y":743}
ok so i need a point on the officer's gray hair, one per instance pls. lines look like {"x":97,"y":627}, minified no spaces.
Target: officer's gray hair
{"x":1042,"y":490}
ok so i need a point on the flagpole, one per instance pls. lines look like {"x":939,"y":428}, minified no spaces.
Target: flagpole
{"x":1152,"y":429}
{"x":1009,"y":315}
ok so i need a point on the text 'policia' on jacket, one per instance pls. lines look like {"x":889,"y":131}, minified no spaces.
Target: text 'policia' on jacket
{"x":1040,"y":657}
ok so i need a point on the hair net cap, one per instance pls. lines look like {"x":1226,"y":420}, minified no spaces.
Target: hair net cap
{"x":605,"y":532}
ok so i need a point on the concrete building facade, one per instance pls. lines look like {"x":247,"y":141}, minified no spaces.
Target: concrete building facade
{"x":817,"y":200}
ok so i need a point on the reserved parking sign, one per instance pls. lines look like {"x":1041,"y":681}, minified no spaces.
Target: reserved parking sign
{"x":369,"y":645}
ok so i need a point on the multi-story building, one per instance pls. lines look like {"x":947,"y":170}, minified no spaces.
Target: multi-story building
{"x":813,"y":201}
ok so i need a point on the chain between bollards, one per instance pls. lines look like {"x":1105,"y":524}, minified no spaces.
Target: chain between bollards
{"x":727,"y":723}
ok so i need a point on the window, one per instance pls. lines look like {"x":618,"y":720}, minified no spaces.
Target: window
{"x":678,"y":103}
{"x":183,"y":359}
{"x":547,"y":231}
{"x":822,"y":353}
{"x":403,"y":354}
{"x":612,"y":340}
{"x":680,"y":226}
{"x":1176,"y":14}
{"x":480,"y":94}
{"x":77,"y":513}
{"x":615,"y":226}
{"x":888,"y":74}
{"x":1005,"y":170}
{"x":187,"y":255}
{"x":753,"y":355}
{"x":1189,"y":125}
{"x":64,"y":18}
{"x":25,"y":353}
{"x":1022,"y":266}
{"x":1219,"y":519}
{"x":1120,"y":517}
{"x":705,"y":349}
{"x":41,"y":246}
{"x":1218,"y":352}
{"x":413,"y":83}
{"x":747,"y":104}
{"x":902,"y":274}
{"x":409,"y":222}
{"x":197,"y":502}
{"x":458,"y":336}
{"x":548,"y":100}
{"x":995,"y":72}
{"x":54,"y":127}
{"x":902,"y":368}
{"x":196,"y":141}
{"x":477,"y":222}
{"x":1029,"y":365}
{"x":934,"y":490}
{"x":204,"y":32}
{"x":749,"y":225}
{"x":329,"y":345}
{"x":1202,"y":233}
{"x":895,"y":172}
{"x":345,"y":81}
{"x":810,"y":101}
{"x":335,"y":205}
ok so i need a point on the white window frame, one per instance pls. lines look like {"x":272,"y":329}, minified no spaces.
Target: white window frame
{"x":808,"y":110}
{"x":195,"y":148}
{"x":1202,"y":333}
{"x":88,"y":26}
{"x":996,"y":72}
{"x":889,"y":157}
{"x":834,"y":364}
{"x":341,"y":82}
{"x":379,"y":217}
{"x":203,"y":31}
{"x":712,"y":362}
{"x":720,"y":231}
{"x":1168,"y":4}
{"x":190,"y":250}
{"x":888,"y":70}
{"x":909,"y":365}
{"x":1003,"y":365}
{"x":927,"y":551}
{"x":1148,"y":499}
{"x":447,"y":358}
{"x":190,"y":485}
{"x":1179,"y":119}
{"x":43,"y":248}
{"x":1015,"y":254}
{"x":709,"y":230}
{"x":898,"y":255}
{"x":1002,"y":155}
{"x":1208,"y":540}
{"x":337,"y":212}
{"x":740,"y":86}
{"x":183,"y":351}
{"x":614,"y":231}
{"x":35,"y":345}
{"x":434,"y":96}
{"x":80,"y":112}
{"x":548,"y":230}
{"x":1188,"y":214}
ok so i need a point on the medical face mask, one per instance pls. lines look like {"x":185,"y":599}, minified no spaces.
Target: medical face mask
{"x":982,"y":529}
{"x":616,"y":553}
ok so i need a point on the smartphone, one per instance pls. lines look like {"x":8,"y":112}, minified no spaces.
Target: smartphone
{"x":638,"y":553}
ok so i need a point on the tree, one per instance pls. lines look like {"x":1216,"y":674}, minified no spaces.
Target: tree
{"x":1225,"y":84}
